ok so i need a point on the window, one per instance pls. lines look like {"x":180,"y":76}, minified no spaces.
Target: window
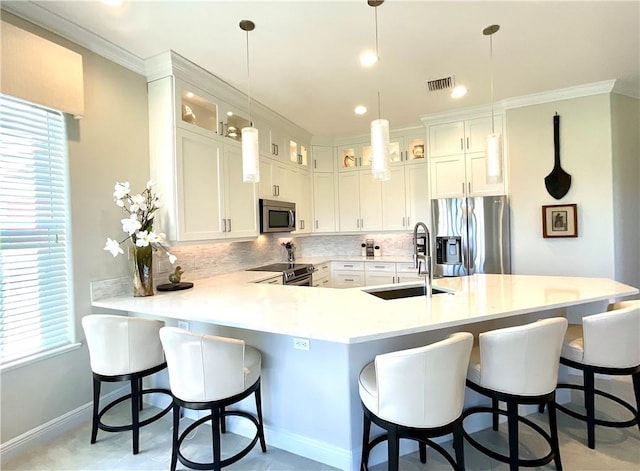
{"x":35,"y":267}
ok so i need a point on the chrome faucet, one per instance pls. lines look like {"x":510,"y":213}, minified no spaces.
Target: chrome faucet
{"x":423,"y":257}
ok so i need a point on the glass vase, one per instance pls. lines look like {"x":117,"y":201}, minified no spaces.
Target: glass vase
{"x":142,"y":271}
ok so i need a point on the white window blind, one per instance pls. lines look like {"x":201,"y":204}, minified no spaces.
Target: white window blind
{"x":35,"y":292}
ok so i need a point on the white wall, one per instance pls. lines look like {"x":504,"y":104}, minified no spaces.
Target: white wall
{"x":586,"y":154}
{"x":109,"y":144}
{"x":625,"y":116}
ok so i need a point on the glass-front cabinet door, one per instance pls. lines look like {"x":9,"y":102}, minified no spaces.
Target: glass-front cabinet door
{"x":415,"y":148}
{"x":196,"y":108}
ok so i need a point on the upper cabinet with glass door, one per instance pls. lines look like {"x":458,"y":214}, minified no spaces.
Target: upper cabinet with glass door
{"x":231,"y":123}
{"x":298,"y":153}
{"x":195,"y":108}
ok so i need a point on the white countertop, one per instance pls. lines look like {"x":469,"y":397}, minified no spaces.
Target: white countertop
{"x":352,"y":315}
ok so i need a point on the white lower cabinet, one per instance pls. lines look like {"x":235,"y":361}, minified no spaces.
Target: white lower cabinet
{"x":276,"y":280}
{"x":347,"y":274}
{"x":379,"y":273}
{"x":322,"y":276}
{"x":372,"y":273}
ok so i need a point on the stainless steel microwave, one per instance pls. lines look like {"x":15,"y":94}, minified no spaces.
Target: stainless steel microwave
{"x":277,"y":216}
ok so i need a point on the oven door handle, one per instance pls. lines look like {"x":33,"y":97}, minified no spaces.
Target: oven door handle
{"x":305,"y":281}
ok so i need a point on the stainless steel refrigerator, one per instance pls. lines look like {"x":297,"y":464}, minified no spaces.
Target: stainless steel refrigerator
{"x":470,"y":235}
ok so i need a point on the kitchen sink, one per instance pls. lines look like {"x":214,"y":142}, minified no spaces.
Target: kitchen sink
{"x":404,"y":292}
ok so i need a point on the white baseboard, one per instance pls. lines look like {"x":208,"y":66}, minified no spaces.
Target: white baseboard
{"x":50,"y":430}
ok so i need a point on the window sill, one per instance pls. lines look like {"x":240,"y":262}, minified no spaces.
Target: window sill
{"x":38,"y":357}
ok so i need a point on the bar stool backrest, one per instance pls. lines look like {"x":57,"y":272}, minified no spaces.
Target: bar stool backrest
{"x":121,"y":345}
{"x":202,"y":367}
{"x":612,"y":339}
{"x":424,"y":387}
{"x":522,"y":360}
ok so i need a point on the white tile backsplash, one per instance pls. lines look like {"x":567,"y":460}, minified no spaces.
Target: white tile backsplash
{"x":205,"y":260}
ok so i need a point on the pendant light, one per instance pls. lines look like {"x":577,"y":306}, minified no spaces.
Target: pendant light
{"x":494,"y":140}
{"x":250,"y":150}
{"x":379,"y":127}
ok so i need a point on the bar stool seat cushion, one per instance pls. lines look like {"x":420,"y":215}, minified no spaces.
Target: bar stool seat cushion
{"x":573,"y":347}
{"x":368,"y":388}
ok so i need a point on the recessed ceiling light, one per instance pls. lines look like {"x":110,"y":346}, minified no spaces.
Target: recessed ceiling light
{"x":368,"y":58}
{"x":360,"y":109}
{"x":458,"y":91}
{"x":229,"y":113}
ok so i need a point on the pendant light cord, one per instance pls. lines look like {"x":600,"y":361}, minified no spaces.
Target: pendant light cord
{"x":248,"y":83}
{"x":378,"y":104}
{"x":376,"y":17}
{"x":491,"y":77}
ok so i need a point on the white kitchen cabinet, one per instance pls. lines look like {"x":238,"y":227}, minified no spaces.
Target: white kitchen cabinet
{"x":324,"y":202}
{"x":276,"y":280}
{"x":407,"y":146}
{"x":275,"y":183}
{"x":298,"y":152}
{"x":360,"y":202}
{"x":301,"y":196}
{"x":198,"y":172}
{"x":323,"y":158}
{"x":393,"y":200}
{"x":271,"y":141}
{"x":379,"y":273}
{"x":458,"y":158}
{"x":416,"y":184}
{"x":406,"y":272}
{"x":238,"y":198}
{"x":354,"y":156}
{"x":321,"y":277}
{"x":210,"y":200}
{"x":347,"y":274}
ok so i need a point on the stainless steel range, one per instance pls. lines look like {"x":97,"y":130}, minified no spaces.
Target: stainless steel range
{"x":296,"y":274}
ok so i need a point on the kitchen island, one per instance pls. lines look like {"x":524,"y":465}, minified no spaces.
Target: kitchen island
{"x":310,"y":396}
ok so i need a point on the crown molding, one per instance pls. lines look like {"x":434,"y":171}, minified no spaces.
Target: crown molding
{"x":579,"y":91}
{"x":42,"y":17}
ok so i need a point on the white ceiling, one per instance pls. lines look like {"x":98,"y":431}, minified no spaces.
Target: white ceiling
{"x":304,"y":54}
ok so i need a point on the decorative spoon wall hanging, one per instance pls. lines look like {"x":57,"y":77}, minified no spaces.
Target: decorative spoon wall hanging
{"x":558,"y":181}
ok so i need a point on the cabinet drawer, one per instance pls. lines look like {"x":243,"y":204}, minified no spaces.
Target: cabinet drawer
{"x":389,"y":267}
{"x":342,"y":279}
{"x":276,"y":280}
{"x":347,"y":265}
{"x":406,"y":267}
{"x":322,"y":282}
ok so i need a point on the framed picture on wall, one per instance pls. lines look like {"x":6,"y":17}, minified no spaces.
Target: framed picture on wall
{"x":560,"y":220}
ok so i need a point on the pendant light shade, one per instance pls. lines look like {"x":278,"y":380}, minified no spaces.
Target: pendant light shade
{"x":494,"y":140}
{"x":380,"y":147}
{"x":250,"y":156}
{"x":250,"y":149}
{"x":379,"y":127}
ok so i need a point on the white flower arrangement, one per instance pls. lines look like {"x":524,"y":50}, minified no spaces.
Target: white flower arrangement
{"x":141,"y":209}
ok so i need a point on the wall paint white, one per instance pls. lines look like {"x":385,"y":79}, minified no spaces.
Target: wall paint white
{"x":585,"y":153}
{"x":625,"y":120}
{"x":109,"y":144}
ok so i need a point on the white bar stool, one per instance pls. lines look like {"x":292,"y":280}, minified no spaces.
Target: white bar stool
{"x":416,"y":394}
{"x":210,"y":373}
{"x":607,"y":343}
{"x":518,"y":365}
{"x":123,"y":349}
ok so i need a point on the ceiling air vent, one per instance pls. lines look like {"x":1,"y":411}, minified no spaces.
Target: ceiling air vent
{"x":445,"y":83}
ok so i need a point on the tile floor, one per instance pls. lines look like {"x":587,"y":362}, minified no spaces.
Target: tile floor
{"x":616,"y":449}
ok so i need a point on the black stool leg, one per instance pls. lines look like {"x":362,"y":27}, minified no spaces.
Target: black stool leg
{"x":215,"y":442}
{"x":366,"y":430}
{"x":96,"y":407}
{"x":393,"y":447}
{"x":174,"y":446}
{"x":553,"y":428}
{"x":512,"y":422}
{"x":636,"y":390}
{"x":140,"y":388}
{"x":423,"y":452}
{"x":135,"y":413}
{"x":494,"y":406}
{"x":589,"y":404}
{"x":258,"y":396}
{"x":458,"y":447}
